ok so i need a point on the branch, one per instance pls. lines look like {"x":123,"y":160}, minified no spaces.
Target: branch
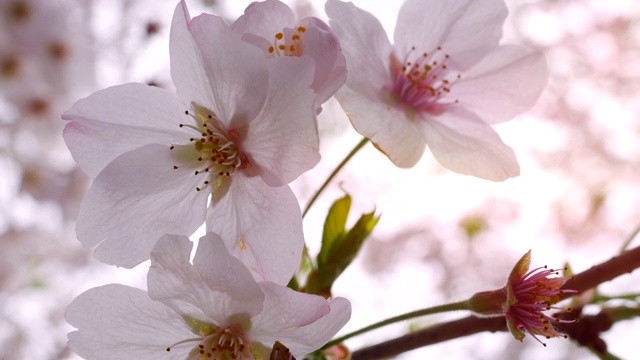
{"x":619,"y":265}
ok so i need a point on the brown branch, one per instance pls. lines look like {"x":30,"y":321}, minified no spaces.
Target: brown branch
{"x":619,"y":265}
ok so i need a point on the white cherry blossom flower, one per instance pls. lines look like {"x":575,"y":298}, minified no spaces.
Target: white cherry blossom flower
{"x":272,"y":26}
{"x":241,"y":128}
{"x":441,"y":83}
{"x":211,"y":309}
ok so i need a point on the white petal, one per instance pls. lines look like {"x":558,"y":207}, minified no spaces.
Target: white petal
{"x":314,"y":335}
{"x":119,"y":322}
{"x":464,"y":28}
{"x":261,"y":225}
{"x":365,"y":45}
{"x":302,"y":322}
{"x":237,"y":71}
{"x":282,"y":142}
{"x":388,"y":127}
{"x":115,"y":120}
{"x":505,"y":83}
{"x":264,"y":18}
{"x":216,"y":287}
{"x":323,"y":46}
{"x":461,"y":142}
{"x":135,"y":200}
{"x":187,"y":65}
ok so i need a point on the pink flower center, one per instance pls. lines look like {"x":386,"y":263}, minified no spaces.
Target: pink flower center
{"x":534,"y":293}
{"x":217,"y":154}
{"x":288,"y":42}
{"x":229,"y":343}
{"x":423,"y":82}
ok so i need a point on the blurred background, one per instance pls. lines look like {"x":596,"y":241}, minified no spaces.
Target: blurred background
{"x":442,"y":236}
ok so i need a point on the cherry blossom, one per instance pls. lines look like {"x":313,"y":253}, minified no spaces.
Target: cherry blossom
{"x":272,"y":27}
{"x":441,"y":83}
{"x":212,"y":308}
{"x":240,"y":129}
{"x":524,"y":299}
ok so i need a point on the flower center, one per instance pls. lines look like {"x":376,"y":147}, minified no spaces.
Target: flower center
{"x":19,"y":11}
{"x":535,"y":293}
{"x":9,"y":67}
{"x":288,"y":42}
{"x":217,"y":154}
{"x":215,"y":343}
{"x":423,"y":82}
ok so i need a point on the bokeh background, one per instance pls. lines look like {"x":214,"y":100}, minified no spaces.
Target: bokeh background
{"x":441,"y":237}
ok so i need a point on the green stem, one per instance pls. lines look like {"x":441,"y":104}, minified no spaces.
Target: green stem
{"x":630,"y":238}
{"x":461,"y":305}
{"x":334,"y":173}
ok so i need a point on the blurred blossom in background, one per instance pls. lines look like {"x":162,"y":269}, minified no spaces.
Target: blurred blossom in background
{"x":442,"y":236}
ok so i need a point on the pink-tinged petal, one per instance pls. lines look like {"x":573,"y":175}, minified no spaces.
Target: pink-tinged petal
{"x":261,"y":225}
{"x":311,"y":337}
{"x":237,"y":71}
{"x":119,"y":322}
{"x":285,"y":311}
{"x":323,"y":46}
{"x":505,"y":83}
{"x":187,"y":64}
{"x":365,"y":45}
{"x":216,"y":287}
{"x":265,"y":19}
{"x":388,"y":127}
{"x":139,"y":185}
{"x":461,"y":142}
{"x":118,"y":119}
{"x":282,"y":142}
{"x":466,"y":28}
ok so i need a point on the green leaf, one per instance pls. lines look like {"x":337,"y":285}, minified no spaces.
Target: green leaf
{"x":339,"y":246}
{"x":334,"y":226}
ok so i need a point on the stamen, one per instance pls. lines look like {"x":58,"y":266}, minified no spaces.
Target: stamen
{"x":218,"y":153}
{"x":423,"y":82}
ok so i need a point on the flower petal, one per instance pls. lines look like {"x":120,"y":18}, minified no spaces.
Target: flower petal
{"x":314,"y":335}
{"x":464,"y":28}
{"x":187,"y":64}
{"x":237,"y":71}
{"x":216,"y":287}
{"x":261,"y":225}
{"x":388,"y":127}
{"x":119,"y":322}
{"x":365,"y":45}
{"x":283,"y":140}
{"x":505,"y":83}
{"x":461,"y":142}
{"x":302,"y":322}
{"x":136,"y":187}
{"x":323,"y":46}
{"x":264,"y":18}
{"x":115,"y":120}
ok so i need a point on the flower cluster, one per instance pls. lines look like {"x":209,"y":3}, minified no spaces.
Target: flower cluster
{"x":240,"y":127}
{"x":223,"y":150}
